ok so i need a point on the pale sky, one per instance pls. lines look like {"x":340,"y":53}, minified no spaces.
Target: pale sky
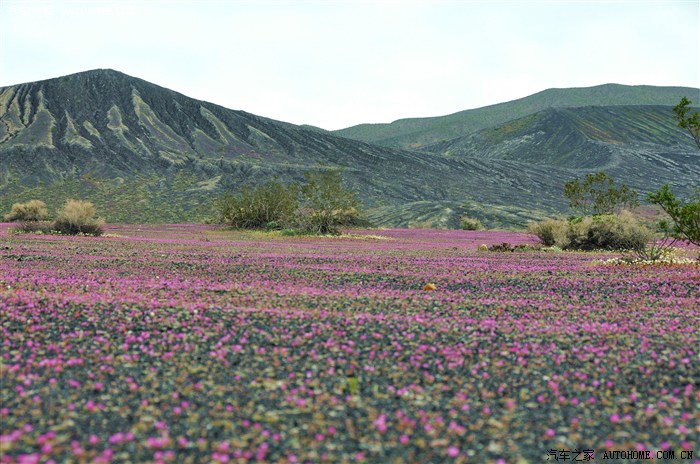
{"x":334,"y":64}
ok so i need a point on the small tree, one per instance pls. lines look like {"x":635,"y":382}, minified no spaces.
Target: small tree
{"x":78,"y":217}
{"x":597,"y":194}
{"x":685,"y":216}
{"x":327,"y":204}
{"x":691,"y":122}
{"x":32,"y":211}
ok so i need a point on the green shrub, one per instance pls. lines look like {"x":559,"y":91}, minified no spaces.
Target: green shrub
{"x":31,"y":216}
{"x":551,"y":232}
{"x":467,"y":223}
{"x":327,"y":204}
{"x":32,"y":211}
{"x":268,"y":206}
{"x":620,"y":231}
{"x":321,"y":206}
{"x":78,"y":217}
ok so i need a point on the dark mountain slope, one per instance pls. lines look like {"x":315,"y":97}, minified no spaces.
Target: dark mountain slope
{"x":418,"y":132}
{"x":640,"y":144}
{"x":144,"y":153}
{"x":573,"y":137}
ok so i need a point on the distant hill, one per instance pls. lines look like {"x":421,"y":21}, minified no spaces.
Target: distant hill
{"x":636,"y":143}
{"x":418,"y":132}
{"x":143,"y":153}
{"x":586,"y":137}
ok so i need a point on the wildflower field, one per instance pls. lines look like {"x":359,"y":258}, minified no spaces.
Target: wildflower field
{"x":191,"y":344}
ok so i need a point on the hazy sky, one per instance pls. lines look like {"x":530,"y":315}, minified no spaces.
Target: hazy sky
{"x":334,"y":64}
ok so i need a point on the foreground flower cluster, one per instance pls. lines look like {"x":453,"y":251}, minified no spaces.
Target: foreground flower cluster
{"x":188,"y":344}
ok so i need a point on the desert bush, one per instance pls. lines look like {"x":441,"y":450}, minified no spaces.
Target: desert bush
{"x":31,"y":216}
{"x":551,"y":232}
{"x":268,"y":206}
{"x":321,"y":206}
{"x":327,"y":204}
{"x":620,"y":231}
{"x":78,"y":217}
{"x":468,"y":223}
{"x":32,"y":211}
{"x":350,"y":217}
{"x":308,"y":220}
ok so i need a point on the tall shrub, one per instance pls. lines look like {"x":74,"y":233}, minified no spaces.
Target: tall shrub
{"x":31,"y":216}
{"x":551,"y":232}
{"x":613,"y":232}
{"x":321,"y":206}
{"x":327,"y":204}
{"x":78,"y":217}
{"x":271,"y":205}
{"x":32,"y":211}
{"x":616,"y":232}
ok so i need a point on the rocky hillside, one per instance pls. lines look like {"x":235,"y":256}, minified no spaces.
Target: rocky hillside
{"x":635,"y":143}
{"x":419,"y":132}
{"x":144,"y":153}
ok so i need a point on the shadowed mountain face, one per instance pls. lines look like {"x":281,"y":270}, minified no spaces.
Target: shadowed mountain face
{"x":143,"y":153}
{"x":630,"y":142}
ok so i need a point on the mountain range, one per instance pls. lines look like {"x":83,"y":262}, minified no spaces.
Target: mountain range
{"x":418,"y":132}
{"x":144,"y":153}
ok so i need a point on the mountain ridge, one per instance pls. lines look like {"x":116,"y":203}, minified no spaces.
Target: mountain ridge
{"x":145,"y":153}
{"x":418,"y":132}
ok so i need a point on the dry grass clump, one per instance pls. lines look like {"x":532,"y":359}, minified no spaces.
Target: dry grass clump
{"x":552,"y":232}
{"x":32,"y":217}
{"x":620,"y":231}
{"x":78,"y":217}
{"x":31,"y":211}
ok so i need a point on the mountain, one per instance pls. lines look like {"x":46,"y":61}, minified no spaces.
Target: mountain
{"x":635,"y":143}
{"x":143,"y":153}
{"x":587,"y":138}
{"x":417,"y":132}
